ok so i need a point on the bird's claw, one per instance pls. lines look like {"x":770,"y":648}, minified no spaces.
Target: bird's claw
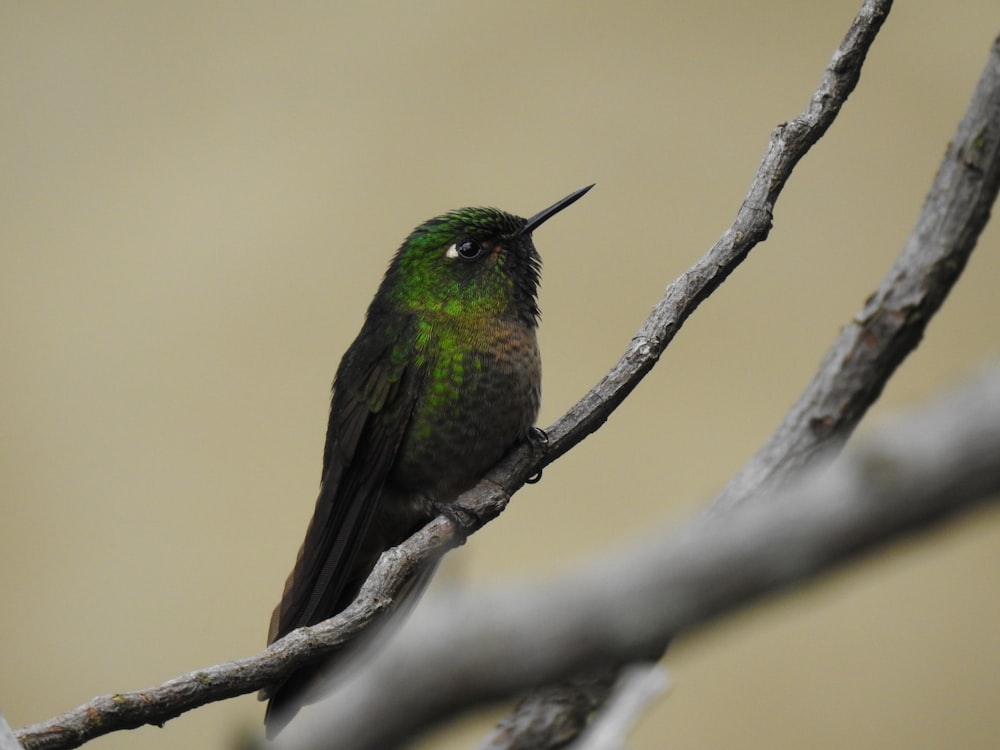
{"x":539,"y":441}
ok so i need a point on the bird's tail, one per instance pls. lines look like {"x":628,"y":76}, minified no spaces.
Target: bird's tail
{"x":315,"y":681}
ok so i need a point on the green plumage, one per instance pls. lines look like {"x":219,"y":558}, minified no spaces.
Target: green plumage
{"x":443,"y":379}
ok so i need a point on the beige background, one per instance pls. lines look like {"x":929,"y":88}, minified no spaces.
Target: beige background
{"x":198,"y":201}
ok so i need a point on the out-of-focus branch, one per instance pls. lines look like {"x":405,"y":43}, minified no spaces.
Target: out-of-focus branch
{"x":7,"y":739}
{"x":637,"y":687}
{"x":467,"y":649}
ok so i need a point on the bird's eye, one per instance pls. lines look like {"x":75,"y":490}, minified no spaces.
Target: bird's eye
{"x":465,"y":249}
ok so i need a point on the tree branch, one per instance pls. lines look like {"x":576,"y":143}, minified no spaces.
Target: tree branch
{"x":892,"y":322}
{"x":788,"y":144}
{"x":854,"y":370}
{"x":479,"y":646}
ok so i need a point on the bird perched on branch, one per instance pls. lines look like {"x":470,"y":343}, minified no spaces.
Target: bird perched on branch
{"x":443,"y":379}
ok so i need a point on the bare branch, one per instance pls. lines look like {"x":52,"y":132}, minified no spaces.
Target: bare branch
{"x":463,"y":650}
{"x":867,"y":352}
{"x":788,"y":144}
{"x":892,"y":322}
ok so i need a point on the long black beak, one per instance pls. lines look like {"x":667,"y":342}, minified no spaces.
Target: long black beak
{"x":547,"y":213}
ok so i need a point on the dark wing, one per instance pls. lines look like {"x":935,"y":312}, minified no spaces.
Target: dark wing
{"x":373,"y":399}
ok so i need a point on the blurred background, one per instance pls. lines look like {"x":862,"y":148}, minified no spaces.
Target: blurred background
{"x":198,"y":202}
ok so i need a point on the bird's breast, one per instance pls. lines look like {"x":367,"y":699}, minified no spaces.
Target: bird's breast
{"x":480,"y":393}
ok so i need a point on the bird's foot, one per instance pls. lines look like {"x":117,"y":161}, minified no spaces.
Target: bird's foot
{"x":538,"y":439}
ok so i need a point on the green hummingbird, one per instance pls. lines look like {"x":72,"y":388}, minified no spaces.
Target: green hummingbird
{"x":442,"y":381}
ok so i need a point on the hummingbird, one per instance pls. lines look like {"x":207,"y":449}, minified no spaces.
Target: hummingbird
{"x":443,"y":379}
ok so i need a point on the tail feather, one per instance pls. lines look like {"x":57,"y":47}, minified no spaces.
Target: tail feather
{"x":313,"y":682}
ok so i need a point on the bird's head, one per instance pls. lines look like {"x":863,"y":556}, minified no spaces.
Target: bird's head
{"x":471,"y":262}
